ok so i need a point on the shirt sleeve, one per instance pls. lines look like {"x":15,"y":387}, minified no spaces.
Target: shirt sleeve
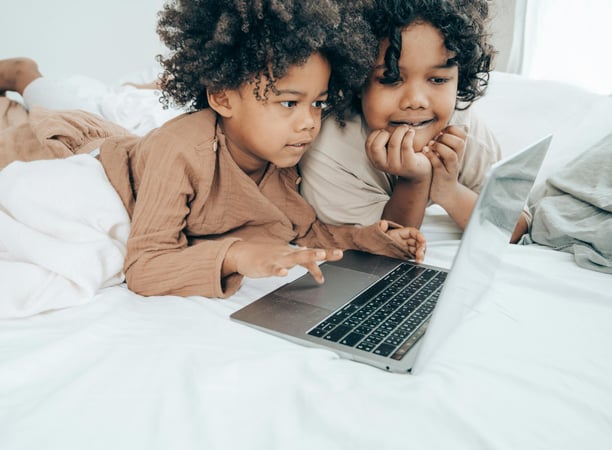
{"x":160,"y":260}
{"x":481,"y":152}
{"x":371,"y":238}
{"x":338,"y":179}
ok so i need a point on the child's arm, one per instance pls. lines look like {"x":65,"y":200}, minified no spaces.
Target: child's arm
{"x":161,"y":258}
{"x":382,"y":238}
{"x":408,"y":201}
{"x":445,"y":154}
{"x":256,"y":260}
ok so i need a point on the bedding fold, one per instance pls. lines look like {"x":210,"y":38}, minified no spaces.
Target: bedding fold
{"x":63,"y":234}
{"x":572,"y":212}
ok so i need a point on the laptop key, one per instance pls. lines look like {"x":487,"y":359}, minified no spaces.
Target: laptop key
{"x":365,"y":346}
{"x":337,"y":333}
{"x":352,"y":339}
{"x":384,"y":349}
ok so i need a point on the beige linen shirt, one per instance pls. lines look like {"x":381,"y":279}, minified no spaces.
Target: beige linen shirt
{"x":187,"y":198}
{"x":189,"y":202}
{"x":344,"y":188}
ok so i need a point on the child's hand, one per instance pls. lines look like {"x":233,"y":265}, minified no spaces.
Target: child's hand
{"x":256,"y":260}
{"x":394,"y":153}
{"x":445,"y":154}
{"x":522,"y":227}
{"x":411,"y":240}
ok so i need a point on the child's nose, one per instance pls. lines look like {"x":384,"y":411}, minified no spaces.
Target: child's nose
{"x":308,"y":119}
{"x":413,"y":96}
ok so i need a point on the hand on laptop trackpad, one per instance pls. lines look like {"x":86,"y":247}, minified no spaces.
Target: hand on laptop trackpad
{"x":340,"y":286}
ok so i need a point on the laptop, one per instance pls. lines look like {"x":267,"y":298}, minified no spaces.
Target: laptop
{"x":394,"y":314}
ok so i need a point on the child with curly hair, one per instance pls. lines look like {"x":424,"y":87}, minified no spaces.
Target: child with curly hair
{"x":421,"y":142}
{"x":213,"y":194}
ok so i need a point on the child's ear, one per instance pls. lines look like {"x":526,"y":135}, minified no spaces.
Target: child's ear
{"x":220,"y":102}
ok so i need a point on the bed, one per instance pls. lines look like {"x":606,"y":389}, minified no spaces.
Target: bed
{"x":530,"y":369}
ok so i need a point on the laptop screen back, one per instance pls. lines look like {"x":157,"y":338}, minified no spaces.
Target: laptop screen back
{"x":483,"y":243}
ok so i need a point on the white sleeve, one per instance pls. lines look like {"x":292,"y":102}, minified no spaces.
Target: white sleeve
{"x":73,"y":92}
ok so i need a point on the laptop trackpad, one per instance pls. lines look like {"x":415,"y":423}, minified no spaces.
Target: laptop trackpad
{"x":340,"y":286}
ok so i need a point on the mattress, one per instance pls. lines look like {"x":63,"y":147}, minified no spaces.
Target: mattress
{"x":529,"y":368}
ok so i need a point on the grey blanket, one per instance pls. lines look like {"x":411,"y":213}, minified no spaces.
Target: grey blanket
{"x":572,"y":212}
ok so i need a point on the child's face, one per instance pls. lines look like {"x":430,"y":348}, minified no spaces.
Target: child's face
{"x":279,"y":130}
{"x":424,"y":97}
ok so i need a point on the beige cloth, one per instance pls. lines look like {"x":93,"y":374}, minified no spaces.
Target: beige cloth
{"x":189,"y":201}
{"x":12,"y":113}
{"x":43,"y":134}
{"x":344,"y":188}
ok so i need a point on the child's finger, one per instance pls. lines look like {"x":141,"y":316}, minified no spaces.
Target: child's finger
{"x":376,"y":148}
{"x":393,"y":148}
{"x":304,"y":256}
{"x":433,"y":157}
{"x":419,"y":255}
{"x":333,"y":254}
{"x":443,"y":151}
{"x":372,"y":137}
{"x":315,"y":271}
{"x":448,"y":157}
{"x":460,"y":131}
{"x":454,"y":142}
{"x":407,"y":147}
{"x":279,"y":271}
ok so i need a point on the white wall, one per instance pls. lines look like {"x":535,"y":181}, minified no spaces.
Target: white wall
{"x":502,"y":30}
{"x":107,"y":39}
{"x":104,"y":39}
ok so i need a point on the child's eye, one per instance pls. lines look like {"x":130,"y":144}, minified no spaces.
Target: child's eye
{"x":289,"y":103}
{"x":439,"y":80}
{"x":321,"y":104}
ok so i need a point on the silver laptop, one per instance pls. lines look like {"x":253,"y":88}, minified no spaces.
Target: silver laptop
{"x":394,"y":314}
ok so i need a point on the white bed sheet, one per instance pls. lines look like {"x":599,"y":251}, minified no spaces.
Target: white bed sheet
{"x":530,"y":368}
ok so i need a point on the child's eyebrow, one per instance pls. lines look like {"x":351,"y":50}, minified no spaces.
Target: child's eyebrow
{"x":299,"y":93}
{"x":450,"y":62}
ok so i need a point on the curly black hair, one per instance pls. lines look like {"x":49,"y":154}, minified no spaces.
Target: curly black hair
{"x":462,"y":23}
{"x":215,"y":45}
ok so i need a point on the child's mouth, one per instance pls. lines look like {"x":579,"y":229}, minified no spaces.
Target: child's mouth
{"x":419,"y":124}
{"x":300,"y":146}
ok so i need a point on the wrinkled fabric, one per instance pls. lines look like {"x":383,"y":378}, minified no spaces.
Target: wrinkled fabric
{"x":54,"y":134}
{"x":63,"y":234}
{"x":573,"y":210}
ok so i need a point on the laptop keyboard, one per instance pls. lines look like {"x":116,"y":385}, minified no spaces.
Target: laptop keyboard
{"x":386,"y":319}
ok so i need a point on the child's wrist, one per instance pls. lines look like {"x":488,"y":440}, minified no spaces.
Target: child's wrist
{"x":230,"y":262}
{"x":415,"y":179}
{"x":450,"y":197}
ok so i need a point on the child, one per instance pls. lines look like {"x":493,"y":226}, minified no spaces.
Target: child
{"x":135,"y":107}
{"x":213,"y":194}
{"x":433,"y":62}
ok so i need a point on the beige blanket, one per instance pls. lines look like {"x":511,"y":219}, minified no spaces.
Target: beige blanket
{"x":44,"y":134}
